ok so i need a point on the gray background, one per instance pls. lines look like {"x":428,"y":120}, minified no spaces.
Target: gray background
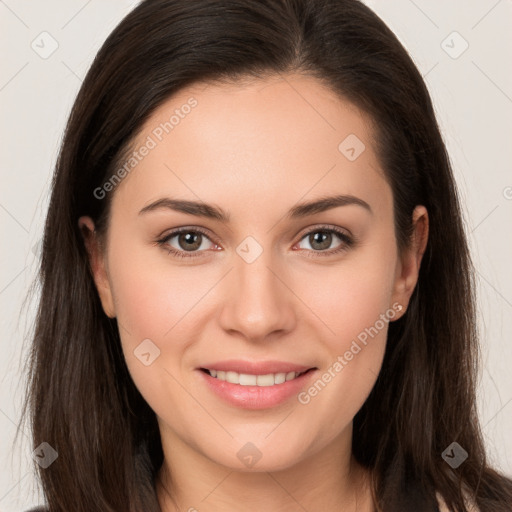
{"x":472,"y":92}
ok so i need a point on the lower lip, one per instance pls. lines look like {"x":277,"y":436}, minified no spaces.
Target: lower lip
{"x":256,"y":397}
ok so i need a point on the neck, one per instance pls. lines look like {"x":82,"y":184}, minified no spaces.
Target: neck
{"x":329,"y":480}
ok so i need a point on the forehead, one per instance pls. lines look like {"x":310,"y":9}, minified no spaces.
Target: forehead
{"x":255,"y":141}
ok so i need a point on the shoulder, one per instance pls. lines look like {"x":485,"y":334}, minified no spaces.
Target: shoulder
{"x":444,"y":508}
{"x":38,"y":509}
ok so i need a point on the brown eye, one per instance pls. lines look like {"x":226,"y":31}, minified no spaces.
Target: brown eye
{"x":320,"y":240}
{"x":188,"y":243}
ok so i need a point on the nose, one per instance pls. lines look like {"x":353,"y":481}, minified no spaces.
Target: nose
{"x":259,"y":303}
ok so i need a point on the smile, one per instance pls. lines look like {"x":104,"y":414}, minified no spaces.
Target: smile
{"x":246,"y":379}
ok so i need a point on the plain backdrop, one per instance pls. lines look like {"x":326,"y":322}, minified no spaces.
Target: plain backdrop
{"x":461,"y":48}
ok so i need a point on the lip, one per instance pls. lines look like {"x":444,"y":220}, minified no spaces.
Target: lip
{"x":255,"y":367}
{"x":256,"y":397}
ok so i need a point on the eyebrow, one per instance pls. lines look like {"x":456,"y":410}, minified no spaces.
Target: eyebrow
{"x":211,"y":211}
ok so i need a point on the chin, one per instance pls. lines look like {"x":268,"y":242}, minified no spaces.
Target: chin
{"x":252,"y":456}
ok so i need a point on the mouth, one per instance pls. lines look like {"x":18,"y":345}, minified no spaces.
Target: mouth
{"x":260,"y":380}
{"x":253,"y":384}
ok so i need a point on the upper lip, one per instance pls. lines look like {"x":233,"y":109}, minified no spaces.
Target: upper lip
{"x":256,"y":367}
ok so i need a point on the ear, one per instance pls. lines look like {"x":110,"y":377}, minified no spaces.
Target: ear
{"x":408,"y":265}
{"x":98,"y":264}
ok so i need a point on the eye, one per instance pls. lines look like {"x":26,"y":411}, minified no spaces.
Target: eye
{"x":321,"y":238}
{"x":192,"y":242}
{"x":189,"y":242}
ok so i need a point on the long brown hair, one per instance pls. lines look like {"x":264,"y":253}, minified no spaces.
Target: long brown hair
{"x":81,"y":398}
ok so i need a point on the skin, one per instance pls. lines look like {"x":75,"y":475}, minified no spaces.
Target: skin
{"x":256,"y":149}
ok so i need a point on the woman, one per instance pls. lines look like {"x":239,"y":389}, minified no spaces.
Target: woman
{"x":195,"y":348}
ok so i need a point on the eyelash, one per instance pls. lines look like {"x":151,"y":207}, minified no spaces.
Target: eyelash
{"x":348,"y":242}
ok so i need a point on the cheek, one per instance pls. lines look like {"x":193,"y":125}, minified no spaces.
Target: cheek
{"x":154,"y":305}
{"x":350,"y":296}
{"x":154,"y":302}
{"x":151,"y":295}
{"x":352,"y":301}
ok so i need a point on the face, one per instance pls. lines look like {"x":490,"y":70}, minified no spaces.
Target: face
{"x":257,"y":283}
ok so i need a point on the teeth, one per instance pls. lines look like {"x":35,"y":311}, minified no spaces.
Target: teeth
{"x":245,"y":379}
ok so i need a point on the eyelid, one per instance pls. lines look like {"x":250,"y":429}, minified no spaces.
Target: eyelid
{"x":185,"y":229}
{"x":327,"y":227}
